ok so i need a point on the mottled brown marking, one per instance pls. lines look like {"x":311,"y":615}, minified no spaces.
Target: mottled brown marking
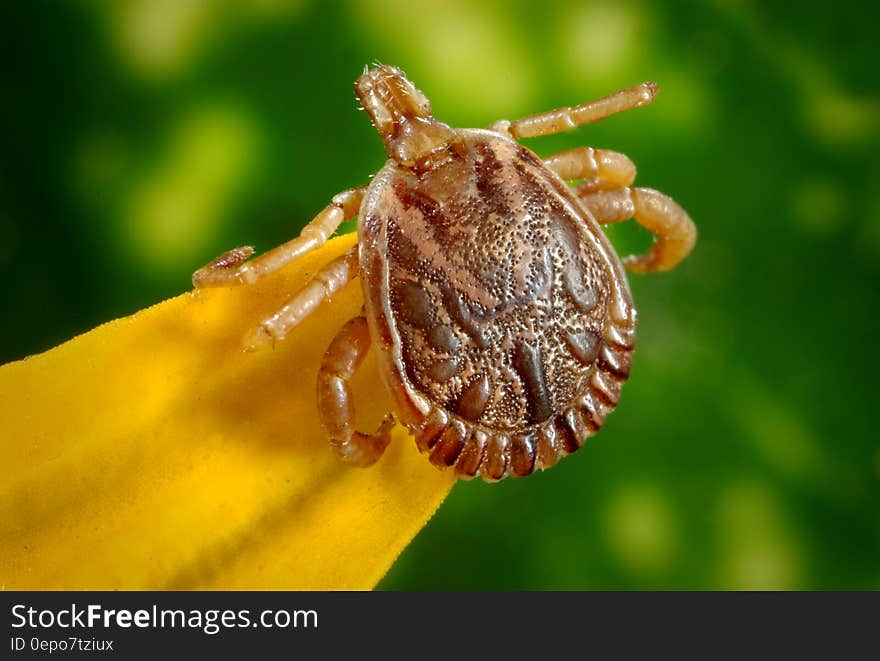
{"x":522,"y":454}
{"x":575,"y":421}
{"x":417,"y":307}
{"x":449,"y":445}
{"x":536,"y":202}
{"x":443,"y":370}
{"x":584,"y":346}
{"x":546,"y":451}
{"x":591,"y":413}
{"x":489,"y":180}
{"x":528,"y":364}
{"x":566,"y":437}
{"x":461,"y":312}
{"x":496,"y":457}
{"x":469,"y":460}
{"x":615,"y":362}
{"x":528,"y":156}
{"x":605,"y":389}
{"x":621,"y":338}
{"x":413,"y":197}
{"x":473,"y":399}
{"x":583,"y":296}
{"x":431,"y":429}
{"x":443,"y":339}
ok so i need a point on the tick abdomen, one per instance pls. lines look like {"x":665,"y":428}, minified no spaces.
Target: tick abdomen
{"x":491,"y":283}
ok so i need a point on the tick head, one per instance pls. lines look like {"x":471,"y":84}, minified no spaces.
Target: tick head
{"x":401,"y":115}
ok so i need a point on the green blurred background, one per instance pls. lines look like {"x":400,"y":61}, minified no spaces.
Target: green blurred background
{"x":143,"y":137}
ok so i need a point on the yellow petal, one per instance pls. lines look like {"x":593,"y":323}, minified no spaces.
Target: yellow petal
{"x":152,"y":452}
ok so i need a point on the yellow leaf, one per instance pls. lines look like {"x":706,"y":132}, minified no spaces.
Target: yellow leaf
{"x":152,"y":452}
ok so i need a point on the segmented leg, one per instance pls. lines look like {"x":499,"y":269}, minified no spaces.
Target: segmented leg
{"x":326,"y":282}
{"x":344,"y":355}
{"x":674,"y":229}
{"x":563,"y":119}
{"x":230,"y":267}
{"x":602,"y":168}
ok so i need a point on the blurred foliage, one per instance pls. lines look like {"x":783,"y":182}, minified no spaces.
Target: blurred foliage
{"x":143,"y":137}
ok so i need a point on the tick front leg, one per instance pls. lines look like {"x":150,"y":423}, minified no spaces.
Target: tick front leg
{"x":230,"y":267}
{"x":344,"y":355}
{"x":326,"y":282}
{"x":563,"y":119}
{"x":675,"y":231}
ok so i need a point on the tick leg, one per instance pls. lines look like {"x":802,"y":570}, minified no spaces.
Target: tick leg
{"x":601,"y":168}
{"x":230,"y":267}
{"x":344,"y":355}
{"x":563,"y":119}
{"x":326,"y":282}
{"x":675,"y":231}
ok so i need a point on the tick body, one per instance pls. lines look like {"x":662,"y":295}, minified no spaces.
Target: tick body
{"x":500,"y":312}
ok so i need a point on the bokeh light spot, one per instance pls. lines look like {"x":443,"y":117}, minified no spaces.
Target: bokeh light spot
{"x":159,"y":37}
{"x":179,"y":204}
{"x":640,"y":529}
{"x":443,"y":42}
{"x":779,"y":435}
{"x":162,"y":38}
{"x":759,"y":551}
{"x":600,"y":41}
{"x":835,"y":116}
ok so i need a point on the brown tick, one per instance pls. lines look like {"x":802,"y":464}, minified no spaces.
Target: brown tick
{"x":500,"y":312}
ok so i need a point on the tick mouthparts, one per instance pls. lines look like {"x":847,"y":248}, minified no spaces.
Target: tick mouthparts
{"x":390,"y":98}
{"x":401,"y":114}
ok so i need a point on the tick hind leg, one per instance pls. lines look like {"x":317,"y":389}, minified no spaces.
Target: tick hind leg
{"x":230,"y":268}
{"x":675,"y":231}
{"x":608,"y":196}
{"x":344,"y":355}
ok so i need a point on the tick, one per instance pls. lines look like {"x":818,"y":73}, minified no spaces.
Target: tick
{"x":501,"y":314}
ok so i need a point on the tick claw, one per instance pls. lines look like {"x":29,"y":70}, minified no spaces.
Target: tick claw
{"x":257,"y":340}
